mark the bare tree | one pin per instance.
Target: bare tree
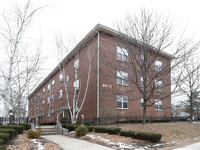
(20, 67)
(190, 85)
(143, 40)
(74, 103)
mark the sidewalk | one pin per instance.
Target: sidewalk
(68, 143)
(195, 146)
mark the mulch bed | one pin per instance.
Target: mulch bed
(22, 142)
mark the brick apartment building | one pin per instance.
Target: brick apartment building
(107, 94)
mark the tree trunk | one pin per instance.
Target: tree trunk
(191, 111)
(144, 115)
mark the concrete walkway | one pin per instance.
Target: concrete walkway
(68, 143)
(195, 146)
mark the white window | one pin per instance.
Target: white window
(53, 84)
(158, 104)
(158, 65)
(38, 105)
(158, 85)
(142, 59)
(122, 54)
(60, 94)
(43, 102)
(34, 97)
(60, 77)
(38, 94)
(48, 113)
(52, 112)
(142, 81)
(34, 107)
(76, 65)
(76, 85)
(67, 80)
(49, 86)
(142, 102)
(122, 78)
(48, 100)
(52, 98)
(43, 90)
(122, 102)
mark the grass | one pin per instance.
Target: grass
(170, 131)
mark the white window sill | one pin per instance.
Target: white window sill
(122, 108)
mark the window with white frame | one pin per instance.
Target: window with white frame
(48, 113)
(142, 59)
(158, 104)
(52, 98)
(142, 102)
(122, 102)
(34, 107)
(158, 85)
(67, 80)
(43, 90)
(43, 102)
(122, 78)
(53, 84)
(60, 94)
(76, 65)
(122, 54)
(60, 77)
(38, 105)
(48, 100)
(52, 112)
(49, 86)
(76, 85)
(38, 94)
(142, 81)
(158, 65)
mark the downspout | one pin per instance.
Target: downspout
(98, 77)
(50, 101)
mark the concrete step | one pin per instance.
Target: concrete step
(53, 130)
(50, 133)
(48, 130)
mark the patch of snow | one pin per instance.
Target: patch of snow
(157, 145)
(91, 136)
(72, 132)
(127, 146)
(119, 145)
(40, 146)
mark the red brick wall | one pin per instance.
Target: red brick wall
(107, 77)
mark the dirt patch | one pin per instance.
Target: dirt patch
(174, 135)
(117, 142)
(22, 142)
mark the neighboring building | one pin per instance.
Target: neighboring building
(47, 102)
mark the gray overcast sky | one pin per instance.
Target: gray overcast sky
(78, 17)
